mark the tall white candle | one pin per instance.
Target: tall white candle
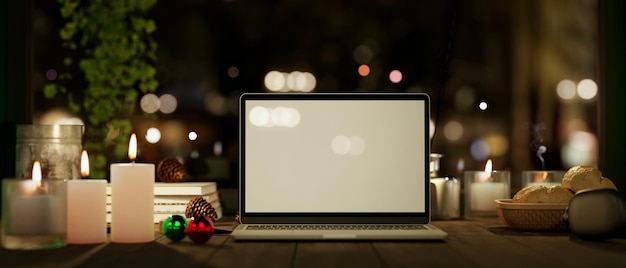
(132, 199)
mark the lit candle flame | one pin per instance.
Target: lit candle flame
(84, 164)
(132, 147)
(489, 166)
(36, 174)
(217, 148)
(485, 176)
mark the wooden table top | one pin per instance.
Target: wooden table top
(471, 243)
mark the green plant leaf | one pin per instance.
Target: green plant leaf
(112, 45)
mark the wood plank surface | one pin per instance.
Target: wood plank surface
(336, 254)
(151, 254)
(482, 248)
(254, 254)
(471, 243)
(200, 253)
(488, 241)
(418, 254)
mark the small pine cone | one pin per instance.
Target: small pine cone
(198, 207)
(171, 170)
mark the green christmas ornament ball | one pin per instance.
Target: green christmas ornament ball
(174, 227)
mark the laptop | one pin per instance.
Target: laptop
(334, 166)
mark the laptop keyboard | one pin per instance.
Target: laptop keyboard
(271, 227)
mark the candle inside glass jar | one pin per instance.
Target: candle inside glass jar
(33, 202)
(547, 178)
(484, 187)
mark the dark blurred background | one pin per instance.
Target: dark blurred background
(505, 77)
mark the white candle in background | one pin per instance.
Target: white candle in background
(132, 199)
(86, 208)
(547, 178)
(436, 196)
(484, 193)
(483, 188)
(444, 199)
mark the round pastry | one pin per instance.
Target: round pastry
(582, 177)
(542, 194)
(557, 194)
(530, 194)
(607, 183)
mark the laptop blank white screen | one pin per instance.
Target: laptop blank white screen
(332, 156)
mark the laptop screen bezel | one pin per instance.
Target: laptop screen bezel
(374, 217)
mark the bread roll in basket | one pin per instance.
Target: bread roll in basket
(541, 208)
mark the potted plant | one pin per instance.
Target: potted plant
(110, 43)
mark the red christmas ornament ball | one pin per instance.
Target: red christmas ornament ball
(200, 229)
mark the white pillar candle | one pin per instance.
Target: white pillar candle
(132, 200)
(86, 211)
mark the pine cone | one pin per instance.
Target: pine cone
(198, 207)
(171, 170)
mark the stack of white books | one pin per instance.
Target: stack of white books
(172, 198)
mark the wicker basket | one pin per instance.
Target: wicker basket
(532, 216)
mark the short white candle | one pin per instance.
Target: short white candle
(547, 178)
(484, 193)
(24, 209)
(34, 202)
(132, 200)
(34, 212)
(482, 188)
(86, 211)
